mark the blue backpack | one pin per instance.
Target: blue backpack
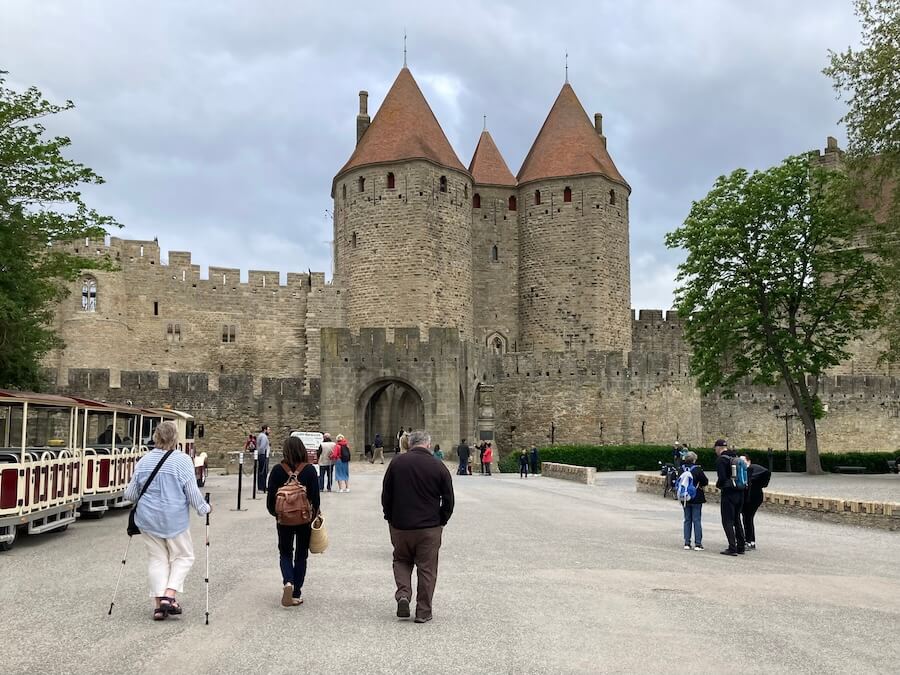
(739, 472)
(685, 490)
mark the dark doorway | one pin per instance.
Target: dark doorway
(388, 406)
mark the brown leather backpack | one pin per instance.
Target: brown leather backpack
(292, 505)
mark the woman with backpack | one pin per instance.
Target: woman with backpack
(342, 465)
(694, 506)
(293, 539)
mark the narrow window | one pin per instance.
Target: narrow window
(476, 201)
(466, 192)
(142, 251)
(177, 332)
(224, 333)
(170, 332)
(155, 308)
(537, 197)
(390, 181)
(362, 184)
(443, 183)
(353, 240)
(495, 253)
(512, 203)
(89, 295)
(612, 196)
(567, 194)
(232, 333)
(344, 192)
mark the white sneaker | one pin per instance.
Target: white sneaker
(698, 548)
(687, 547)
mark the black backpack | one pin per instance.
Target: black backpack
(345, 453)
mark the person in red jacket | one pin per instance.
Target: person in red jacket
(486, 459)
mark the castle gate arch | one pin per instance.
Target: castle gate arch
(386, 405)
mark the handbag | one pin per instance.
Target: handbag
(132, 528)
(318, 538)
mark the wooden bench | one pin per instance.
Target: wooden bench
(849, 469)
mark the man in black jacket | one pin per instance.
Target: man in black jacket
(462, 451)
(732, 499)
(417, 498)
(759, 477)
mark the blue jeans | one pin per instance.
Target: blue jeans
(692, 519)
(291, 558)
(325, 470)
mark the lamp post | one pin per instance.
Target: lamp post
(552, 433)
(787, 417)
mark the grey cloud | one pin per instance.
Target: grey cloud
(219, 126)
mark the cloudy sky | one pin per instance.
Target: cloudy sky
(219, 125)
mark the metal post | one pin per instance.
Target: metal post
(787, 443)
(255, 469)
(240, 480)
(552, 433)
(771, 460)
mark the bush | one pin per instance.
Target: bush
(647, 458)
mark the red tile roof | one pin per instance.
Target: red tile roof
(487, 166)
(404, 128)
(567, 145)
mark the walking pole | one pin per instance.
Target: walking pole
(207, 563)
(119, 580)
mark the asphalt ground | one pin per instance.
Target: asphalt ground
(536, 576)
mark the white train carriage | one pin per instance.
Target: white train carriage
(186, 441)
(40, 464)
(108, 435)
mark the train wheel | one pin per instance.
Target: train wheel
(6, 545)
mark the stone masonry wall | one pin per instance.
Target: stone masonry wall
(404, 254)
(598, 398)
(155, 316)
(496, 282)
(228, 406)
(574, 276)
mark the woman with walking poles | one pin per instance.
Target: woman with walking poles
(294, 508)
(163, 489)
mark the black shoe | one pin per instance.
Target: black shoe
(741, 551)
(728, 551)
(403, 608)
(423, 619)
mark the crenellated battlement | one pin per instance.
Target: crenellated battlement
(369, 345)
(603, 366)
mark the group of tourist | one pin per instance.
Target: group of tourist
(464, 454)
(331, 461)
(417, 501)
(740, 483)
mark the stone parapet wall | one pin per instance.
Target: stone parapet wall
(579, 474)
(883, 515)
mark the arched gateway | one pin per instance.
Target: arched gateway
(387, 405)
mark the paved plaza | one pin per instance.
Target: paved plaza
(536, 576)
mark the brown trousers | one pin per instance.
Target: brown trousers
(419, 548)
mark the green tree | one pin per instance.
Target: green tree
(40, 206)
(869, 79)
(773, 288)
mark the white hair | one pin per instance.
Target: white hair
(419, 439)
(166, 435)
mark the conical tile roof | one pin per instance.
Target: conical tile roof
(567, 145)
(487, 166)
(404, 128)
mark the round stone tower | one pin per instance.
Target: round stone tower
(402, 220)
(574, 272)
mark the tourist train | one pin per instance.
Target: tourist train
(62, 457)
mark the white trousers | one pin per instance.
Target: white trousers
(168, 561)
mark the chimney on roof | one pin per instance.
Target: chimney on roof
(363, 119)
(598, 127)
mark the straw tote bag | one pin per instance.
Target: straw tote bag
(318, 539)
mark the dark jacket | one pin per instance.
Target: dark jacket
(308, 478)
(759, 477)
(700, 482)
(462, 451)
(723, 472)
(417, 491)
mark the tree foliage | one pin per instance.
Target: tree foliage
(40, 204)
(869, 79)
(774, 287)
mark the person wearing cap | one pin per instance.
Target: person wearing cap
(732, 499)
